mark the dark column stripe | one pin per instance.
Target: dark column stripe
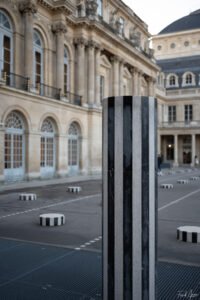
(156, 197)
(41, 221)
(47, 221)
(145, 198)
(111, 196)
(184, 236)
(56, 221)
(194, 237)
(127, 196)
(62, 220)
(178, 235)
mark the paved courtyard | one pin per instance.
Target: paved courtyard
(65, 262)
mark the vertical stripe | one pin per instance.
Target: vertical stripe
(111, 197)
(127, 196)
(145, 198)
(41, 221)
(137, 196)
(184, 236)
(178, 236)
(152, 197)
(118, 198)
(194, 237)
(105, 199)
(47, 221)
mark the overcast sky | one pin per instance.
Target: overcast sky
(160, 13)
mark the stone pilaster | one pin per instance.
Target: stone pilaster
(28, 8)
(59, 28)
(33, 155)
(121, 73)
(135, 78)
(97, 67)
(91, 72)
(80, 71)
(115, 61)
(151, 86)
(175, 150)
(193, 149)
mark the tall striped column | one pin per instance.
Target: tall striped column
(129, 198)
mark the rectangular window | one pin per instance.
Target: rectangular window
(65, 79)
(172, 113)
(7, 54)
(100, 8)
(188, 113)
(102, 85)
(38, 67)
(7, 151)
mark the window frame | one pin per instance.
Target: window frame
(171, 113)
(38, 49)
(8, 33)
(188, 113)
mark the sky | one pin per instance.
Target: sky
(157, 14)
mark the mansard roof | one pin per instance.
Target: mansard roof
(190, 22)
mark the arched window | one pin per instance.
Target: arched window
(14, 147)
(172, 80)
(188, 79)
(5, 43)
(47, 148)
(66, 71)
(37, 58)
(73, 148)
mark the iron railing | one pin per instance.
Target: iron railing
(23, 83)
(47, 91)
(16, 81)
(73, 98)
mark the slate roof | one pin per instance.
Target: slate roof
(192, 21)
(180, 64)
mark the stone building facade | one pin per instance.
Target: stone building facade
(177, 52)
(58, 59)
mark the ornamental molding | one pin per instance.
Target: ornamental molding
(59, 27)
(80, 41)
(28, 6)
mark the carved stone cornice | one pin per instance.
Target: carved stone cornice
(92, 44)
(80, 41)
(28, 6)
(59, 27)
(115, 58)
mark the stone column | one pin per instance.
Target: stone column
(175, 150)
(59, 28)
(80, 68)
(129, 198)
(135, 75)
(91, 73)
(151, 86)
(28, 8)
(33, 155)
(193, 149)
(62, 158)
(140, 74)
(115, 61)
(97, 71)
(159, 144)
(121, 72)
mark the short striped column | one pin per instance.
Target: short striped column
(27, 197)
(189, 234)
(129, 198)
(52, 219)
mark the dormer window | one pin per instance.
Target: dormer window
(188, 79)
(172, 81)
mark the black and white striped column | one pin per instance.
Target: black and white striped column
(129, 198)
